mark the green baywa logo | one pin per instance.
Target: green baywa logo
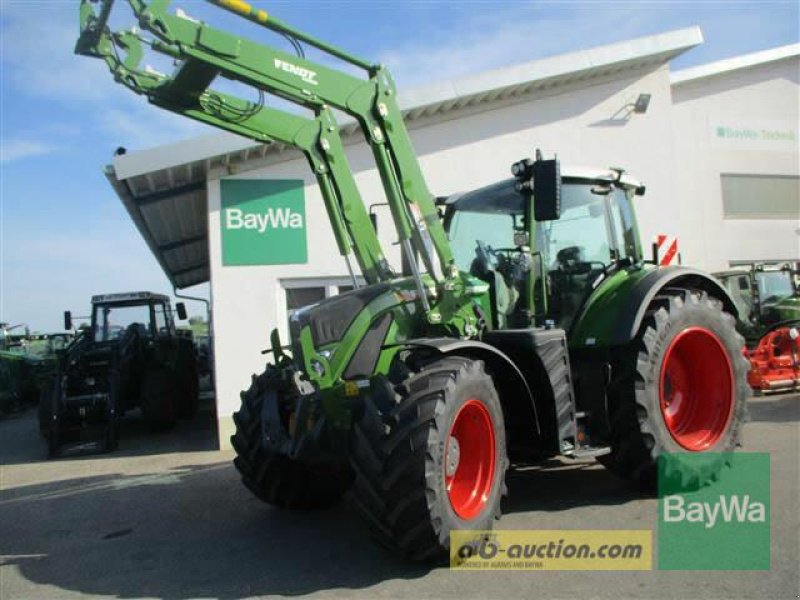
(274, 218)
(729, 508)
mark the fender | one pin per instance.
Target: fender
(614, 313)
(490, 354)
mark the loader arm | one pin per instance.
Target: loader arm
(187, 93)
(371, 101)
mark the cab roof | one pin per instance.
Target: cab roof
(502, 197)
(128, 297)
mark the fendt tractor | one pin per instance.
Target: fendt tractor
(768, 300)
(130, 356)
(525, 322)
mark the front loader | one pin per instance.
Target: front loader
(525, 324)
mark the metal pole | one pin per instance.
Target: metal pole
(350, 270)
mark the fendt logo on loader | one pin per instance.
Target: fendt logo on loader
(306, 75)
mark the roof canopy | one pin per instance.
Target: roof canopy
(164, 189)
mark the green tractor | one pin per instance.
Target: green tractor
(26, 364)
(766, 296)
(525, 324)
(130, 357)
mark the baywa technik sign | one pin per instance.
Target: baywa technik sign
(263, 222)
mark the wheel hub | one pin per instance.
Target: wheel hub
(470, 460)
(696, 389)
(453, 456)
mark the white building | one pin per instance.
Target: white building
(717, 149)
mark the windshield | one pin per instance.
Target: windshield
(112, 321)
(596, 230)
(580, 236)
(774, 284)
(467, 227)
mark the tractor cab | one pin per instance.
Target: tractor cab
(143, 314)
(765, 294)
(775, 284)
(542, 272)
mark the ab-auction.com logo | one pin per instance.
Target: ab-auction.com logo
(545, 550)
(718, 526)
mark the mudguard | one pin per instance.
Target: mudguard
(483, 351)
(614, 313)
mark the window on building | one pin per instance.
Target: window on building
(760, 196)
(298, 297)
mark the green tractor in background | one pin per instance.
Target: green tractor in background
(766, 296)
(27, 362)
(525, 324)
(131, 356)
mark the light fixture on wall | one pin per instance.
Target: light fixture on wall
(642, 103)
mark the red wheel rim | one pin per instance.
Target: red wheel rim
(696, 389)
(470, 460)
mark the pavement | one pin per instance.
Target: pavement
(167, 517)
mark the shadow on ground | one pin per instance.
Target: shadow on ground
(22, 443)
(187, 533)
(195, 531)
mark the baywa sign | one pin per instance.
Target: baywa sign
(263, 222)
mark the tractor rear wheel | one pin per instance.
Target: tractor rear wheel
(430, 457)
(158, 400)
(680, 387)
(273, 478)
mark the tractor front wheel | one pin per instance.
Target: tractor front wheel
(188, 387)
(274, 478)
(679, 388)
(430, 457)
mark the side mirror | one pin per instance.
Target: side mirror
(180, 308)
(67, 320)
(546, 190)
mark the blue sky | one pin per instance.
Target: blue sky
(63, 233)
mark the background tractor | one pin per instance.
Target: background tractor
(768, 300)
(525, 322)
(130, 357)
(26, 363)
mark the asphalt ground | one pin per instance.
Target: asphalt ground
(166, 516)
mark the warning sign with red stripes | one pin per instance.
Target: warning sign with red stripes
(666, 249)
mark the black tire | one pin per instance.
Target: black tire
(398, 453)
(188, 392)
(47, 406)
(158, 400)
(639, 431)
(111, 440)
(273, 478)
(53, 443)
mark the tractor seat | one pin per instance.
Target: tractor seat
(504, 298)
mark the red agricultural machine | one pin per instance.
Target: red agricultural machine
(768, 301)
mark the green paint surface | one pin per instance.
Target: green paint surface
(722, 526)
(263, 222)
